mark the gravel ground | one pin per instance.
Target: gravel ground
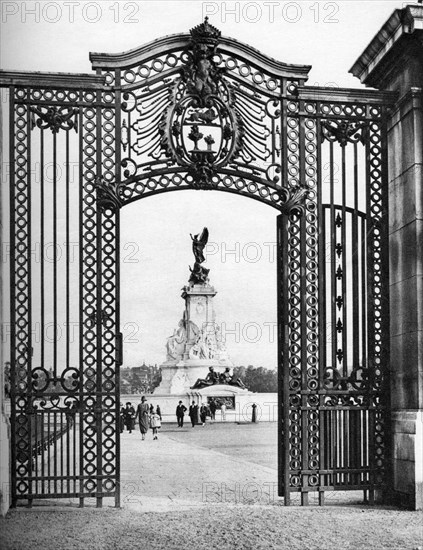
(168, 509)
(223, 527)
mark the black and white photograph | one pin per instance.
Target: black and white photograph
(238, 365)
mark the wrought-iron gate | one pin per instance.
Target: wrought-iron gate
(318, 155)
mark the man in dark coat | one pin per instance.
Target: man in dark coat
(193, 414)
(180, 411)
(213, 408)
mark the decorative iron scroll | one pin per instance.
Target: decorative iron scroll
(109, 195)
(55, 118)
(344, 131)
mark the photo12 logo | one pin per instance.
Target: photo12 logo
(271, 12)
(55, 12)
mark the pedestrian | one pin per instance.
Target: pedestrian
(159, 412)
(193, 414)
(143, 416)
(151, 411)
(155, 424)
(122, 418)
(254, 416)
(213, 408)
(223, 411)
(129, 416)
(180, 412)
(203, 414)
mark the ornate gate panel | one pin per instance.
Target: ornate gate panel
(64, 381)
(334, 295)
(197, 111)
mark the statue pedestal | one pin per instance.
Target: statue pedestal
(199, 313)
(195, 346)
(179, 377)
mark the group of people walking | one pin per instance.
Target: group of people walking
(149, 417)
(146, 416)
(198, 414)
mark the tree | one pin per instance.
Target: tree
(258, 379)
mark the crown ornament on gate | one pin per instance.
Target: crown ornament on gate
(201, 73)
(205, 33)
(201, 129)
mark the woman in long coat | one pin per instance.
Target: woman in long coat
(129, 416)
(143, 416)
(203, 414)
(193, 414)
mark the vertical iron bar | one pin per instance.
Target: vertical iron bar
(42, 274)
(329, 445)
(62, 438)
(29, 345)
(365, 464)
(55, 457)
(345, 303)
(370, 311)
(322, 301)
(332, 413)
(385, 313)
(81, 192)
(303, 316)
(333, 256)
(68, 419)
(355, 267)
(99, 368)
(67, 222)
(42, 453)
(118, 115)
(283, 335)
(34, 452)
(363, 291)
(55, 256)
(48, 451)
(74, 463)
(283, 347)
(279, 297)
(12, 238)
(372, 413)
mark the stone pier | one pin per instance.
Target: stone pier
(394, 61)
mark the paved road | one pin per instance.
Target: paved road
(215, 464)
(193, 466)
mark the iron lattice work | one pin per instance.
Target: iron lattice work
(197, 111)
(64, 387)
(334, 300)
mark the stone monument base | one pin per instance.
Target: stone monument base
(179, 377)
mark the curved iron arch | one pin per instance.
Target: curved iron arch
(229, 99)
(285, 200)
(180, 41)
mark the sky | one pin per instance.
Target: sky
(155, 241)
